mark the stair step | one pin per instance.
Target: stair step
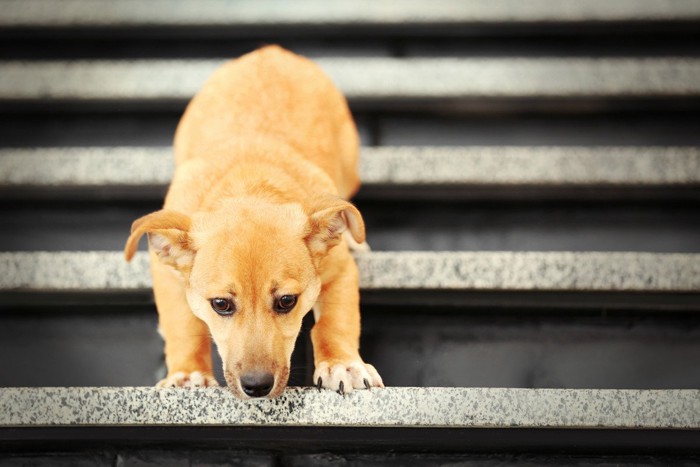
(540, 278)
(312, 14)
(442, 172)
(589, 271)
(415, 418)
(388, 407)
(133, 13)
(453, 83)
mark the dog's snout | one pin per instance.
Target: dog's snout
(258, 383)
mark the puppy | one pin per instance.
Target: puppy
(255, 229)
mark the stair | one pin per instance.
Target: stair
(397, 171)
(531, 191)
(372, 83)
(651, 274)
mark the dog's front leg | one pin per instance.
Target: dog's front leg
(187, 341)
(336, 334)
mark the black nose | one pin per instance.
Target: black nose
(257, 383)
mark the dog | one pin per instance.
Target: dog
(256, 231)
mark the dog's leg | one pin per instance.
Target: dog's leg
(336, 335)
(187, 340)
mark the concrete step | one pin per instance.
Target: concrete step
(403, 418)
(591, 271)
(544, 278)
(399, 172)
(242, 17)
(387, 407)
(479, 84)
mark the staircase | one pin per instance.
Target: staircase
(531, 191)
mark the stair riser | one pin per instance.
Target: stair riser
(410, 348)
(672, 227)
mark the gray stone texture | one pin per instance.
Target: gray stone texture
(530, 165)
(345, 12)
(144, 166)
(546, 271)
(367, 78)
(390, 407)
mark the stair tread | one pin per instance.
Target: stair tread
(580, 166)
(44, 13)
(368, 79)
(389, 407)
(479, 271)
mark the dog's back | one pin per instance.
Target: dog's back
(273, 94)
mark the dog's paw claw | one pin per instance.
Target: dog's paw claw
(344, 377)
(180, 379)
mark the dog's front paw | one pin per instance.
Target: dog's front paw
(180, 379)
(345, 376)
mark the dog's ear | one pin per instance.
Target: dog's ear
(331, 216)
(168, 236)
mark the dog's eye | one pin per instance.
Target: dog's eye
(223, 306)
(285, 303)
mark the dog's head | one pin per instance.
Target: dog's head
(251, 273)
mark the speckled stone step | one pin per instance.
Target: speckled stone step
(389, 407)
(430, 271)
(242, 14)
(99, 166)
(391, 418)
(368, 81)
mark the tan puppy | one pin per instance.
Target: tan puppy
(251, 235)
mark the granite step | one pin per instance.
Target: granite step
(396, 172)
(585, 279)
(396, 418)
(310, 16)
(477, 84)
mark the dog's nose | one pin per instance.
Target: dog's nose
(257, 383)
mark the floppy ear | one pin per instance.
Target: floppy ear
(168, 236)
(330, 217)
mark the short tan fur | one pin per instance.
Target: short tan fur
(266, 156)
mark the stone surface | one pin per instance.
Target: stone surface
(73, 271)
(345, 12)
(530, 165)
(367, 78)
(86, 166)
(192, 458)
(390, 407)
(57, 459)
(112, 457)
(399, 459)
(545, 271)
(530, 271)
(141, 166)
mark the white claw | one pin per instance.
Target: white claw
(353, 375)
